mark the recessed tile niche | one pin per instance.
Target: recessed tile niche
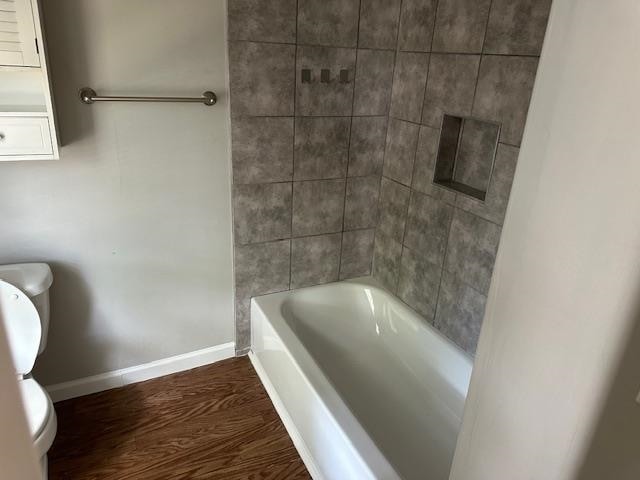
(465, 155)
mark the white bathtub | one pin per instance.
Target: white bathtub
(364, 386)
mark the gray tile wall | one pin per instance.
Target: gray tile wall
(307, 157)
(434, 248)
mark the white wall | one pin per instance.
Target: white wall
(558, 363)
(135, 217)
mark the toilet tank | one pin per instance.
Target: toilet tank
(34, 279)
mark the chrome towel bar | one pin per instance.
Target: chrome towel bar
(89, 96)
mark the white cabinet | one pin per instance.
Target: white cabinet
(18, 40)
(27, 120)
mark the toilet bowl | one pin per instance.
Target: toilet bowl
(24, 308)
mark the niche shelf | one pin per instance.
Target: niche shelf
(466, 154)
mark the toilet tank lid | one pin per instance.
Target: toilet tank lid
(32, 278)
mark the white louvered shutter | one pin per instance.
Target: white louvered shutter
(18, 45)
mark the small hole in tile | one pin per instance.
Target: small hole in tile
(466, 154)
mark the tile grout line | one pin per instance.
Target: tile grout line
(501, 142)
(312, 45)
(482, 54)
(478, 54)
(397, 56)
(386, 136)
(424, 96)
(453, 204)
(296, 237)
(442, 270)
(413, 165)
(438, 128)
(465, 283)
(404, 232)
(308, 116)
(305, 180)
(379, 202)
(293, 159)
(346, 178)
(426, 84)
(424, 93)
(343, 47)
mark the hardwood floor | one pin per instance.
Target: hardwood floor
(213, 422)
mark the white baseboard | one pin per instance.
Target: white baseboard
(140, 373)
(287, 421)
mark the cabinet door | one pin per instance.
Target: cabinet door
(18, 44)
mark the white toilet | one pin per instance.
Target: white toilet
(24, 306)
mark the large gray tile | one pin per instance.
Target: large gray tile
(471, 251)
(361, 202)
(328, 22)
(424, 166)
(321, 147)
(318, 207)
(261, 212)
(400, 150)
(386, 261)
(262, 20)
(427, 228)
(374, 78)
(495, 204)
(416, 25)
(315, 260)
(450, 87)
(460, 312)
(357, 253)
(325, 99)
(379, 23)
(418, 283)
(262, 149)
(366, 149)
(262, 268)
(517, 27)
(261, 77)
(259, 269)
(504, 91)
(394, 202)
(409, 80)
(242, 323)
(476, 151)
(460, 25)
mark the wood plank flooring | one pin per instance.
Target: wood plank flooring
(213, 422)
